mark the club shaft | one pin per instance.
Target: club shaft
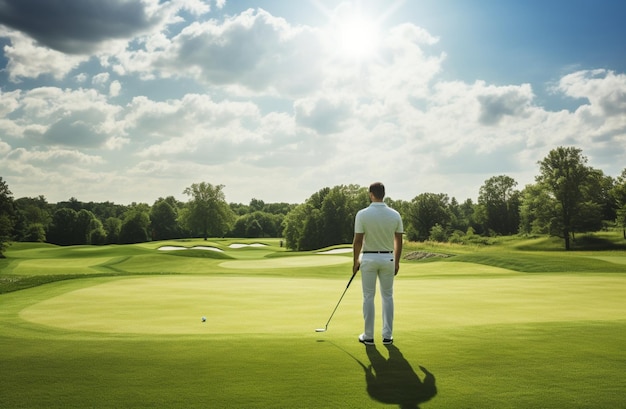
(340, 298)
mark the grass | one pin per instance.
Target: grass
(511, 325)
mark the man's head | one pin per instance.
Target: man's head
(377, 190)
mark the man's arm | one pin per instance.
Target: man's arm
(397, 249)
(357, 245)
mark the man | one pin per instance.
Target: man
(378, 234)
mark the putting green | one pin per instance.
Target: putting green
(175, 305)
(277, 305)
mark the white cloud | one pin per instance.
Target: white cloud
(115, 88)
(605, 90)
(28, 60)
(56, 117)
(100, 79)
(54, 157)
(5, 148)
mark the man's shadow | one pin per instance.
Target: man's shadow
(393, 380)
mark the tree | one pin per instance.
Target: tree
(618, 192)
(62, 230)
(164, 220)
(293, 225)
(207, 212)
(427, 210)
(325, 219)
(563, 173)
(257, 224)
(86, 225)
(112, 227)
(499, 205)
(598, 191)
(256, 205)
(538, 211)
(135, 226)
(33, 218)
(337, 217)
(462, 215)
(7, 216)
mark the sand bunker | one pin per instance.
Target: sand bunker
(241, 245)
(336, 251)
(175, 248)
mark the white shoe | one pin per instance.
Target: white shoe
(362, 340)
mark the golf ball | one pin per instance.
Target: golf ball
(203, 319)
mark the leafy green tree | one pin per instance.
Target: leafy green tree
(112, 227)
(72, 203)
(427, 210)
(326, 218)
(33, 218)
(97, 235)
(538, 211)
(618, 193)
(337, 217)
(257, 224)
(164, 220)
(597, 190)
(563, 174)
(207, 212)
(462, 215)
(84, 224)
(135, 226)
(499, 205)
(104, 210)
(438, 233)
(293, 225)
(278, 208)
(62, 230)
(239, 209)
(35, 232)
(256, 205)
(7, 216)
(313, 232)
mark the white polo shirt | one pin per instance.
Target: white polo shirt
(379, 223)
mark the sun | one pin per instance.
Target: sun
(353, 32)
(357, 37)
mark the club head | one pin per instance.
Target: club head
(320, 330)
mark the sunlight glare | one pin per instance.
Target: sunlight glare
(358, 37)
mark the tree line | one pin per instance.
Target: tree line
(72, 222)
(567, 198)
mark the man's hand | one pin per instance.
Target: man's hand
(355, 267)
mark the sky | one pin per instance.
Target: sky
(134, 100)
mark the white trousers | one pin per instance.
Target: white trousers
(382, 267)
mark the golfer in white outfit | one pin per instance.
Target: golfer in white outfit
(377, 248)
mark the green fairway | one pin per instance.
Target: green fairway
(121, 326)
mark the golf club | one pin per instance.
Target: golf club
(333, 313)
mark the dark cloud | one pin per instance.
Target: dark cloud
(325, 116)
(76, 26)
(496, 106)
(76, 130)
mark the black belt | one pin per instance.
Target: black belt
(377, 252)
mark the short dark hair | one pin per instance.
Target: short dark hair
(378, 190)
